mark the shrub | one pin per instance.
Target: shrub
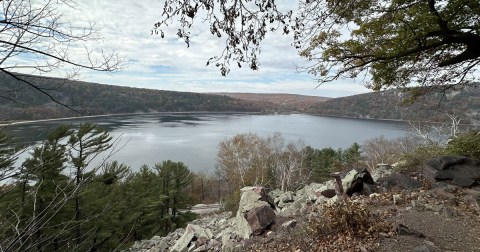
(414, 160)
(467, 144)
(346, 225)
(231, 202)
(380, 150)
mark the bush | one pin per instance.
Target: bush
(231, 202)
(346, 225)
(467, 144)
(381, 150)
(414, 160)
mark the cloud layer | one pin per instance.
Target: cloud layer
(167, 64)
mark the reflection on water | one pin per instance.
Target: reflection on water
(193, 138)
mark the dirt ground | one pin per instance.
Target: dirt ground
(445, 233)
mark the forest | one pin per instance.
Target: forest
(396, 104)
(75, 98)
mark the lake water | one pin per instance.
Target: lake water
(194, 138)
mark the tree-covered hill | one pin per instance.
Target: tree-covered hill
(19, 101)
(391, 104)
(285, 101)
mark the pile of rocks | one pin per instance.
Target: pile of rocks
(257, 212)
(458, 170)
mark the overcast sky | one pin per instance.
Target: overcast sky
(167, 64)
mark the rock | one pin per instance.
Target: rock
(400, 181)
(381, 171)
(260, 218)
(397, 199)
(275, 193)
(421, 248)
(404, 230)
(254, 194)
(253, 198)
(328, 193)
(463, 182)
(459, 170)
(213, 245)
(472, 197)
(427, 246)
(354, 180)
(286, 197)
(184, 243)
(202, 248)
(444, 162)
(290, 224)
(384, 235)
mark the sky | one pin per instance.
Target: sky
(167, 64)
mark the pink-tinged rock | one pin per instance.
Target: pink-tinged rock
(260, 218)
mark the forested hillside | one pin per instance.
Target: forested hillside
(391, 104)
(26, 103)
(283, 101)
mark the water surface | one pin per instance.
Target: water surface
(194, 138)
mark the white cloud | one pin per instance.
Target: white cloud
(152, 62)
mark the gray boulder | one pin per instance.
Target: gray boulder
(286, 197)
(252, 198)
(381, 171)
(191, 231)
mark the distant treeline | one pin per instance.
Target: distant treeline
(19, 101)
(394, 104)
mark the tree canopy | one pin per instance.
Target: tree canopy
(400, 43)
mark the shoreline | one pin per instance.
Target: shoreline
(3, 123)
(12, 123)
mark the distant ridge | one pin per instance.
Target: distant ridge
(99, 99)
(287, 101)
(390, 104)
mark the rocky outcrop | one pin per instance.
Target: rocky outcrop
(204, 233)
(192, 233)
(458, 170)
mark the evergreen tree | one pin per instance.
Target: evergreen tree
(85, 144)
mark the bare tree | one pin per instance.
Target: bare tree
(434, 133)
(287, 162)
(35, 38)
(380, 150)
(248, 159)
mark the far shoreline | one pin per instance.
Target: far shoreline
(4, 123)
(12, 123)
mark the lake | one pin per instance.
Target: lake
(194, 138)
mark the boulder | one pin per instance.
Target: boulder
(381, 171)
(399, 181)
(191, 231)
(260, 218)
(286, 197)
(257, 200)
(275, 193)
(328, 193)
(459, 170)
(354, 180)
